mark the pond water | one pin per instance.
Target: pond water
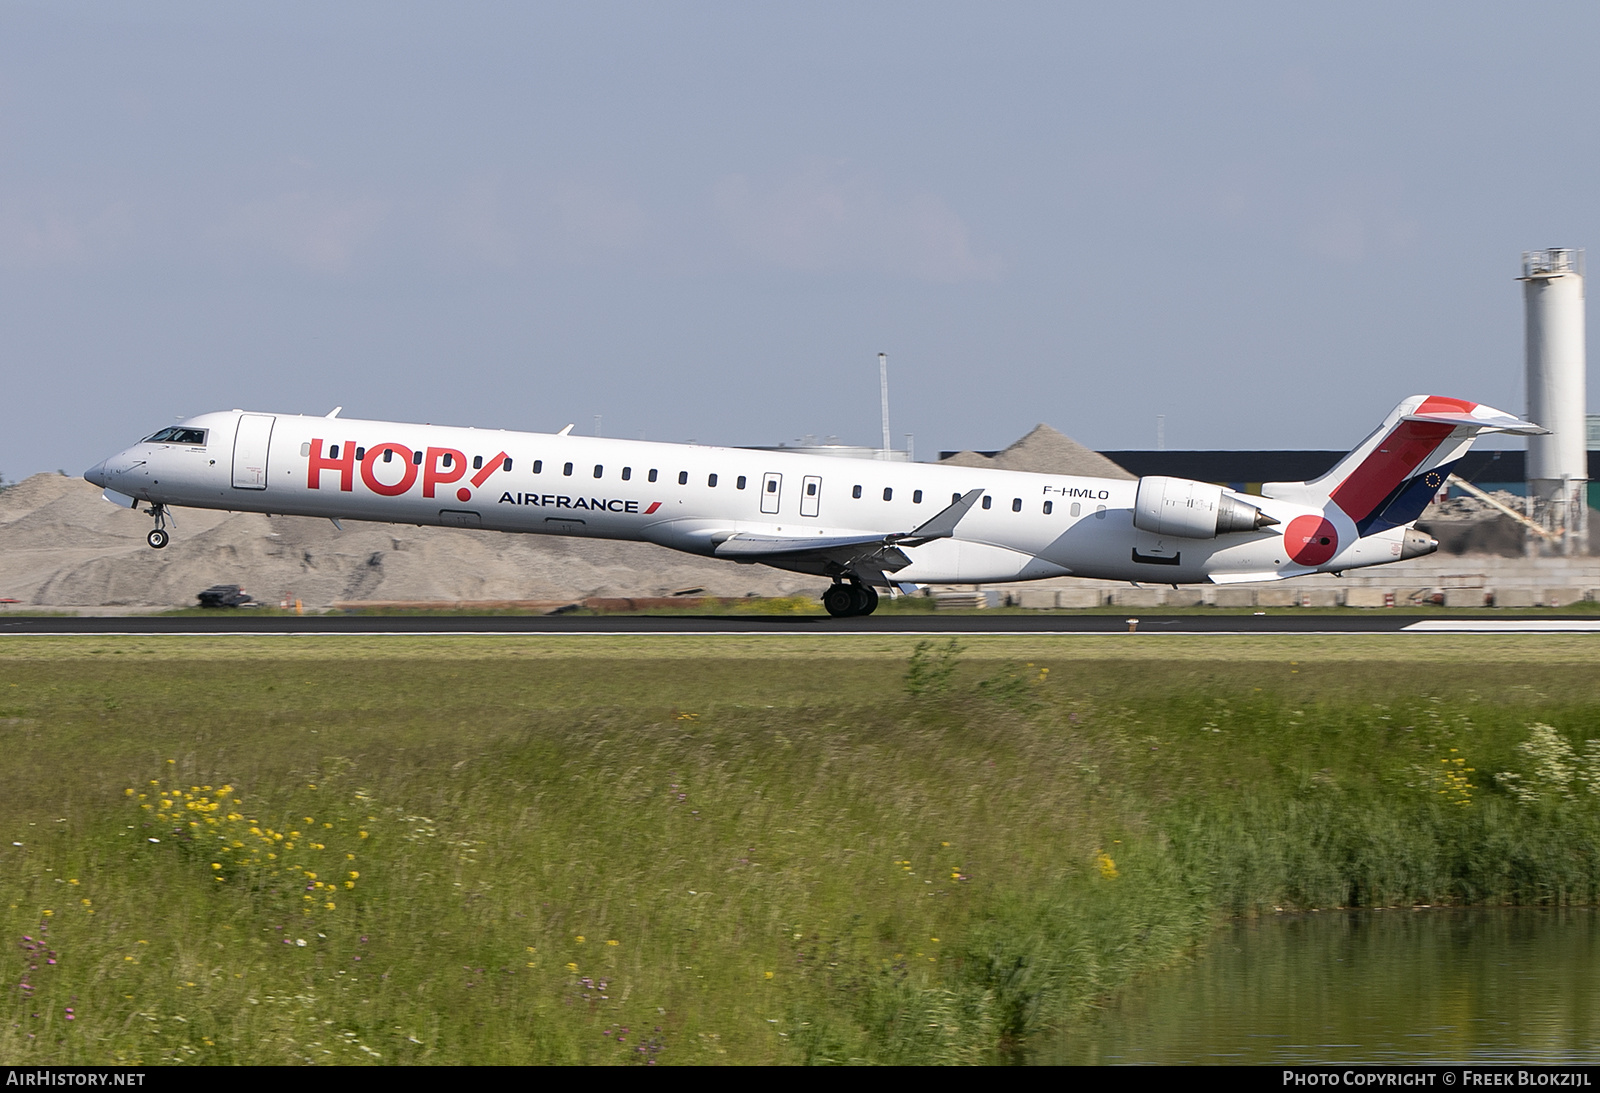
(1512, 985)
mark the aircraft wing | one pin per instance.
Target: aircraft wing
(870, 557)
(749, 546)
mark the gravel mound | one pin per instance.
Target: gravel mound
(1045, 451)
(62, 544)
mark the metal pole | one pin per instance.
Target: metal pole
(883, 394)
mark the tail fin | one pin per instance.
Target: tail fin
(1391, 476)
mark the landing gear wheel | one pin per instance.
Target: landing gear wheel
(866, 600)
(157, 538)
(840, 600)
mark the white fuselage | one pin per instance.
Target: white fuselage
(692, 497)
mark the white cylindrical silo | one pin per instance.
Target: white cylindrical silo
(1558, 464)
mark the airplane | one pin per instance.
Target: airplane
(869, 525)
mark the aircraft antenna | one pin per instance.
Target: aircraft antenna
(883, 396)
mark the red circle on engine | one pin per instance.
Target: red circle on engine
(1310, 540)
(465, 494)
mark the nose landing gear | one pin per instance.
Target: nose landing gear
(845, 601)
(158, 537)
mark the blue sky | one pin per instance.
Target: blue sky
(703, 221)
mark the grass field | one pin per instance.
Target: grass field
(688, 850)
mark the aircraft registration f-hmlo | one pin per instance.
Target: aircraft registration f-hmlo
(867, 524)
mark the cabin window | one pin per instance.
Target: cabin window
(1016, 504)
(333, 452)
(361, 454)
(888, 493)
(683, 478)
(449, 459)
(772, 485)
(305, 449)
(627, 473)
(506, 466)
(1077, 509)
(711, 480)
(1049, 507)
(916, 497)
(388, 455)
(538, 466)
(416, 457)
(566, 469)
(739, 483)
(811, 489)
(1100, 512)
(954, 497)
(987, 500)
(477, 462)
(856, 493)
(652, 474)
(599, 470)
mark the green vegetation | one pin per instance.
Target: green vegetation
(742, 849)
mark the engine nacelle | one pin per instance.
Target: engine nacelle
(1192, 510)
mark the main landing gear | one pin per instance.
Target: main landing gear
(846, 600)
(158, 536)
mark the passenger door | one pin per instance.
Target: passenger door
(250, 451)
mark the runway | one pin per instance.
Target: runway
(1282, 622)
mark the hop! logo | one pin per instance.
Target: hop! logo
(390, 470)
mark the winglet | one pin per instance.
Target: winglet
(333, 412)
(565, 431)
(943, 524)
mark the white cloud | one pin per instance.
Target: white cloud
(318, 231)
(592, 218)
(42, 233)
(501, 223)
(820, 220)
(1354, 218)
(478, 225)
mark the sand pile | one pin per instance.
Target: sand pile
(61, 544)
(1044, 451)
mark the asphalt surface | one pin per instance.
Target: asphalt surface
(1278, 622)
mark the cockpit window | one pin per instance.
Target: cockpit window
(176, 434)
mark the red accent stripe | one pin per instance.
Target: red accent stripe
(1438, 404)
(653, 506)
(486, 470)
(1390, 464)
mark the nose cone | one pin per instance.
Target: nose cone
(97, 474)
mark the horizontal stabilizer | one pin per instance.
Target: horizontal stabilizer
(1492, 422)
